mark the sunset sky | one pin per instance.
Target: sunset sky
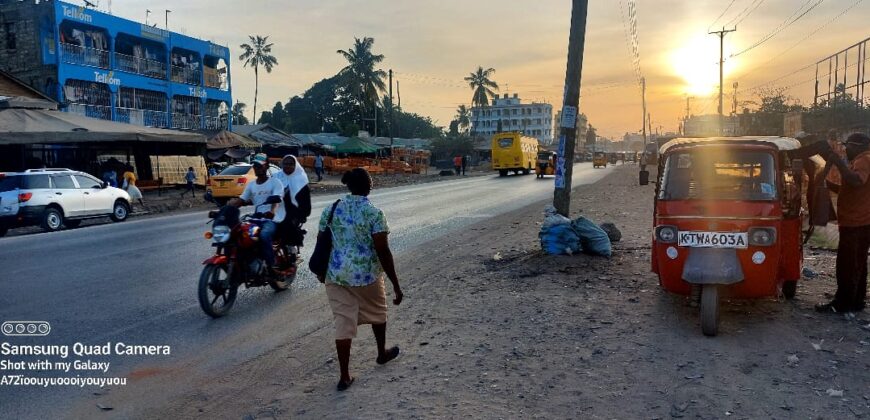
(432, 45)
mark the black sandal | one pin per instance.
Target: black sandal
(390, 355)
(343, 386)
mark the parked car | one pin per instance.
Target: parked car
(57, 198)
(231, 182)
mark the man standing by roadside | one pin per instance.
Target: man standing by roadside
(457, 164)
(318, 166)
(853, 208)
(464, 164)
(190, 177)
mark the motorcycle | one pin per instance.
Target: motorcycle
(237, 261)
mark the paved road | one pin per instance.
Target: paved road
(135, 282)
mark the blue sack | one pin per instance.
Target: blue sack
(559, 239)
(593, 239)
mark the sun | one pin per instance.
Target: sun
(697, 63)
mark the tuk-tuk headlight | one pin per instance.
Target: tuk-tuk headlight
(220, 233)
(666, 234)
(762, 236)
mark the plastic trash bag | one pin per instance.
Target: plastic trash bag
(593, 239)
(551, 217)
(558, 239)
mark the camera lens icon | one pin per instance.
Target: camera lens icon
(25, 328)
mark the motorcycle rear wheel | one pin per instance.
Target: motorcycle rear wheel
(215, 298)
(284, 258)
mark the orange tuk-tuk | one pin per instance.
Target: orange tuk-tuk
(546, 164)
(727, 222)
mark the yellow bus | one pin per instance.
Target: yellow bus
(513, 152)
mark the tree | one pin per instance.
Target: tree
(279, 117)
(258, 53)
(363, 81)
(238, 112)
(463, 118)
(482, 86)
(454, 129)
(265, 118)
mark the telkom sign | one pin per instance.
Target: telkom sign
(77, 13)
(107, 78)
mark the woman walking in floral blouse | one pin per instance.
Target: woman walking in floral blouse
(355, 279)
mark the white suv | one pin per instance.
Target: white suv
(53, 198)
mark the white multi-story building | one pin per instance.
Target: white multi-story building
(510, 114)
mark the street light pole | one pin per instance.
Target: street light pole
(570, 106)
(391, 110)
(721, 35)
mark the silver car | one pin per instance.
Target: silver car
(54, 198)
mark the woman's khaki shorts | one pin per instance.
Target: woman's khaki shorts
(352, 306)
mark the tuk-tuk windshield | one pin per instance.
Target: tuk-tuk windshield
(719, 174)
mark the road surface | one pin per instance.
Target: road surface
(135, 282)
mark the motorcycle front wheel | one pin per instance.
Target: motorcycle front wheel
(217, 294)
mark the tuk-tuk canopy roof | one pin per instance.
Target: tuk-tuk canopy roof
(781, 143)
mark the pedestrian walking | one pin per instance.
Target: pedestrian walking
(130, 185)
(464, 164)
(190, 177)
(853, 216)
(318, 166)
(355, 278)
(457, 164)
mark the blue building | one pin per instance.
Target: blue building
(103, 66)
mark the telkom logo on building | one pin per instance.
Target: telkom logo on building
(107, 78)
(77, 13)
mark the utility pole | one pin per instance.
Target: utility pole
(147, 15)
(734, 104)
(688, 107)
(722, 34)
(391, 110)
(570, 107)
(643, 117)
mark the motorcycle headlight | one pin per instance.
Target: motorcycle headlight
(220, 233)
(762, 236)
(666, 234)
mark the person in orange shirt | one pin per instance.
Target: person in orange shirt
(853, 209)
(457, 164)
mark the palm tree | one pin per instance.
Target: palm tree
(480, 82)
(363, 80)
(463, 117)
(258, 53)
(239, 113)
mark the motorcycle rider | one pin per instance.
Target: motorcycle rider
(257, 193)
(297, 200)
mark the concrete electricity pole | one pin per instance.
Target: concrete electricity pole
(643, 117)
(721, 34)
(570, 106)
(391, 109)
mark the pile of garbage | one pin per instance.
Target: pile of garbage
(563, 236)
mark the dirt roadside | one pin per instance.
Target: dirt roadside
(492, 328)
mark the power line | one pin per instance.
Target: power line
(782, 26)
(757, 5)
(721, 14)
(741, 16)
(815, 31)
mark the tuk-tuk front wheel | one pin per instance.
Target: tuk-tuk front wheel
(710, 310)
(789, 289)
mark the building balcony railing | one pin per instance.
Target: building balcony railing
(142, 117)
(216, 123)
(93, 111)
(215, 81)
(84, 56)
(186, 75)
(145, 67)
(186, 121)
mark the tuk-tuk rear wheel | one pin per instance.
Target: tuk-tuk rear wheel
(789, 289)
(710, 310)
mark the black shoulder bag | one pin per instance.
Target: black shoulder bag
(319, 261)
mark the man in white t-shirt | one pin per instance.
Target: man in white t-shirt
(257, 193)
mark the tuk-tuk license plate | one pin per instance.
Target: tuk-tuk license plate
(713, 239)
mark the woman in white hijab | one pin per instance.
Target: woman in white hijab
(297, 199)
